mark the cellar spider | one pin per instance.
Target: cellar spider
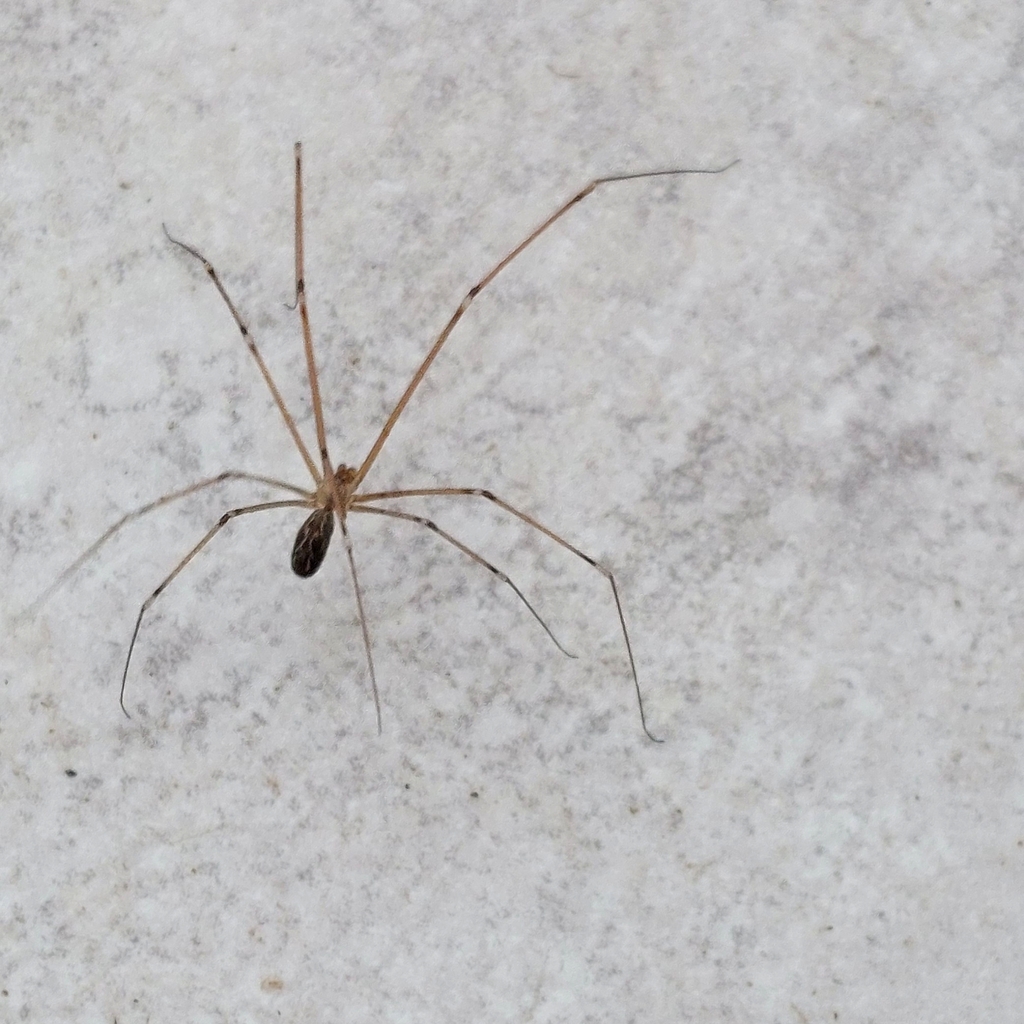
(338, 489)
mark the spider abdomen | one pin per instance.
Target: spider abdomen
(312, 542)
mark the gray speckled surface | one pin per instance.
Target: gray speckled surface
(786, 404)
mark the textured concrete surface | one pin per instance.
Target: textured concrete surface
(786, 404)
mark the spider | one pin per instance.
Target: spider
(338, 488)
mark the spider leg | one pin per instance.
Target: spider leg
(220, 524)
(289, 420)
(431, 525)
(151, 506)
(362, 620)
(491, 274)
(307, 334)
(477, 492)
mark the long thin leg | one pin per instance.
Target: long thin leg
(166, 499)
(476, 492)
(485, 281)
(247, 338)
(362, 621)
(221, 523)
(431, 525)
(307, 334)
